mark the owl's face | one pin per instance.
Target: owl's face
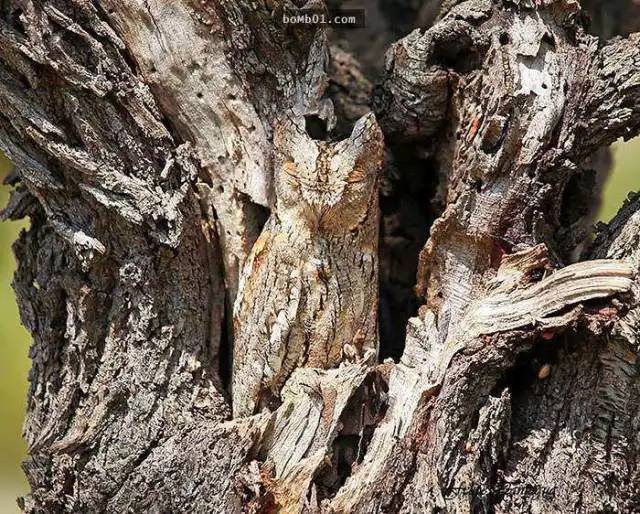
(328, 185)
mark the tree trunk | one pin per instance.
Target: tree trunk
(152, 142)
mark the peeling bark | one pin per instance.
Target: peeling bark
(150, 141)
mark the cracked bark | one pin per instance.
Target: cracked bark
(142, 134)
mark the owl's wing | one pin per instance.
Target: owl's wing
(264, 314)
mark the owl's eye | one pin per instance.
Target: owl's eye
(291, 171)
(290, 168)
(356, 175)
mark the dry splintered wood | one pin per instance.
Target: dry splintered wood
(177, 159)
(426, 360)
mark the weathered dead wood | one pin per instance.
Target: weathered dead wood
(223, 93)
(143, 138)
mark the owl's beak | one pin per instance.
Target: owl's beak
(317, 213)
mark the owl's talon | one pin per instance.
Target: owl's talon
(350, 352)
(369, 356)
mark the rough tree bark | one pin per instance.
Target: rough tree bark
(142, 132)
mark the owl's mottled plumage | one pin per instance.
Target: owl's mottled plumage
(310, 285)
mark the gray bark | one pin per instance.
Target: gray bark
(146, 137)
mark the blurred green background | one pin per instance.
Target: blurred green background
(625, 177)
(14, 366)
(14, 363)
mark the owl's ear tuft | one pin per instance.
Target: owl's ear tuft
(289, 133)
(363, 151)
(367, 134)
